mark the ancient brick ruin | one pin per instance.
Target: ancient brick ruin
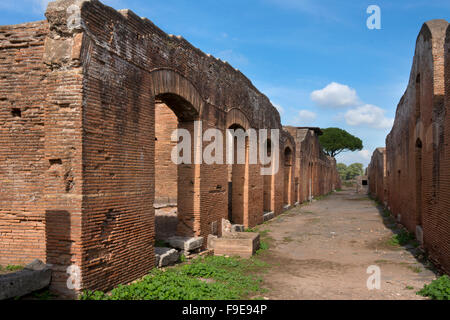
(88, 99)
(416, 169)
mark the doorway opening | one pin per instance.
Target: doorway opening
(237, 177)
(174, 184)
(287, 194)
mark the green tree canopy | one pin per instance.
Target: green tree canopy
(342, 169)
(335, 140)
(354, 170)
(350, 172)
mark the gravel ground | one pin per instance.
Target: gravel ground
(322, 251)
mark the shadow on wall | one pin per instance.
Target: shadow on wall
(58, 246)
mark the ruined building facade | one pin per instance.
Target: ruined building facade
(416, 172)
(377, 176)
(88, 100)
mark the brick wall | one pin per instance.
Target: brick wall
(22, 150)
(416, 163)
(316, 173)
(166, 173)
(377, 175)
(79, 163)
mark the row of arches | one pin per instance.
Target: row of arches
(182, 191)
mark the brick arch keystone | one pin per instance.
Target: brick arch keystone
(167, 81)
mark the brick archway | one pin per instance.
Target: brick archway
(177, 106)
(169, 83)
(237, 117)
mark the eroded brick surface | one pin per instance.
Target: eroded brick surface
(417, 159)
(88, 99)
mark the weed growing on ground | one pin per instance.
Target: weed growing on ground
(415, 269)
(322, 197)
(439, 289)
(402, 238)
(43, 295)
(205, 278)
(11, 268)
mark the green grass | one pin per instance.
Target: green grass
(439, 289)
(409, 288)
(43, 295)
(205, 278)
(11, 268)
(322, 197)
(402, 238)
(415, 269)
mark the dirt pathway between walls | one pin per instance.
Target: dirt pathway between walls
(322, 251)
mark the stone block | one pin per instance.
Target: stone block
(242, 244)
(166, 256)
(268, 216)
(186, 243)
(35, 276)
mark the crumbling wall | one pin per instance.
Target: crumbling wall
(416, 147)
(78, 100)
(22, 151)
(377, 175)
(315, 172)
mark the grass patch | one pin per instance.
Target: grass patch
(402, 238)
(409, 288)
(205, 278)
(439, 289)
(415, 269)
(322, 197)
(10, 268)
(44, 295)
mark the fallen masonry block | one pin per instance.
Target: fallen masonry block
(166, 256)
(268, 216)
(243, 244)
(211, 241)
(186, 243)
(35, 276)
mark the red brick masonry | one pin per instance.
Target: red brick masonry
(412, 175)
(80, 151)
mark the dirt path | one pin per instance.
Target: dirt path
(322, 251)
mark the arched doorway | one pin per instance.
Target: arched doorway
(418, 151)
(287, 194)
(174, 183)
(237, 176)
(268, 198)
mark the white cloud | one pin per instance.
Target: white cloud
(306, 117)
(362, 156)
(365, 154)
(368, 115)
(335, 95)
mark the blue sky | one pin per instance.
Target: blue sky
(315, 59)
